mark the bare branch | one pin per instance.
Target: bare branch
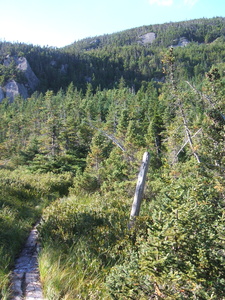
(187, 141)
(111, 137)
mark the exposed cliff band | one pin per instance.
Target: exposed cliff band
(11, 88)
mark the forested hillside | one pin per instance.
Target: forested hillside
(103, 60)
(71, 153)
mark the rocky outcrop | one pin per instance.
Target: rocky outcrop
(12, 88)
(23, 65)
(182, 42)
(64, 69)
(147, 38)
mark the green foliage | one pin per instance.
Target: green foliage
(180, 252)
(85, 183)
(61, 282)
(84, 230)
(104, 102)
(11, 72)
(22, 198)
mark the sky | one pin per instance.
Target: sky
(57, 23)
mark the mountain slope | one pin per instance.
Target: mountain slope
(134, 55)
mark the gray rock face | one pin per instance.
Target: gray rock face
(64, 69)
(182, 42)
(147, 38)
(12, 88)
(7, 61)
(23, 65)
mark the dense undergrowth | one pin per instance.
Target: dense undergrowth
(175, 251)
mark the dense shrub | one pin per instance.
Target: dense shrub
(180, 254)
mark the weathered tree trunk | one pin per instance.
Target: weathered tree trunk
(139, 189)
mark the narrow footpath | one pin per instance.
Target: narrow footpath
(25, 276)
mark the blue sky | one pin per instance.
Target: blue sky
(61, 22)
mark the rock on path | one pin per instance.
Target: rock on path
(25, 277)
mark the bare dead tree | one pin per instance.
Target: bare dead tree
(169, 60)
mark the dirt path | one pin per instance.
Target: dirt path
(25, 277)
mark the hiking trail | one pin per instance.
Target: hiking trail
(25, 280)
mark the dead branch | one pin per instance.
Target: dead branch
(110, 136)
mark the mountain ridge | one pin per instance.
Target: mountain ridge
(132, 54)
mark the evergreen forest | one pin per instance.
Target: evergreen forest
(70, 155)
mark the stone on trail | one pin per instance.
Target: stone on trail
(26, 283)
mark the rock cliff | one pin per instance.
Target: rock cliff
(23, 65)
(147, 38)
(11, 87)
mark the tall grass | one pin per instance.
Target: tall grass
(22, 199)
(74, 275)
(80, 236)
